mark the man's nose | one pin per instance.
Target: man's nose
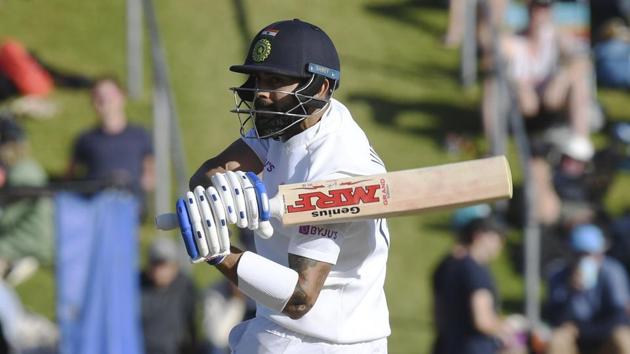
(262, 94)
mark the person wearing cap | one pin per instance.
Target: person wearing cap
(26, 224)
(550, 71)
(588, 298)
(576, 154)
(465, 295)
(168, 302)
(318, 288)
(563, 196)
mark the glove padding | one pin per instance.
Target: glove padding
(205, 232)
(204, 215)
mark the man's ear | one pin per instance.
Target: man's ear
(324, 89)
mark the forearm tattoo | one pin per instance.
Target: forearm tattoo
(309, 275)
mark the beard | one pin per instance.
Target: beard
(270, 119)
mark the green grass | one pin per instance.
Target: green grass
(400, 84)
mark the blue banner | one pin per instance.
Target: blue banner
(98, 297)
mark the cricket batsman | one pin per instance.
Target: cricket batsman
(318, 289)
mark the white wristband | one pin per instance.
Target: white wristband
(265, 281)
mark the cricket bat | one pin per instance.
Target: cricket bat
(384, 195)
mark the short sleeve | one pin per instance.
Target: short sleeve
(79, 149)
(477, 278)
(319, 242)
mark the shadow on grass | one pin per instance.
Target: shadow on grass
(411, 71)
(443, 117)
(244, 30)
(404, 12)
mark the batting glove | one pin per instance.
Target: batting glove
(203, 226)
(245, 200)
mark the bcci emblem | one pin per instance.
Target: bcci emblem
(261, 51)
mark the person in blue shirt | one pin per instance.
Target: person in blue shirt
(465, 295)
(588, 299)
(114, 150)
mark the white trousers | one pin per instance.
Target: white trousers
(261, 336)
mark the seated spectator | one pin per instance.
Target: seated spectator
(465, 295)
(114, 150)
(23, 331)
(612, 55)
(225, 306)
(587, 299)
(29, 80)
(550, 71)
(603, 11)
(562, 194)
(168, 302)
(26, 224)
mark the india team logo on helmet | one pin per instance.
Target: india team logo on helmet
(261, 50)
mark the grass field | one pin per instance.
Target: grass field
(400, 84)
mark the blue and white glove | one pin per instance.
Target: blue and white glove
(245, 199)
(203, 216)
(203, 226)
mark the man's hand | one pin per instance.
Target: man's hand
(204, 214)
(203, 226)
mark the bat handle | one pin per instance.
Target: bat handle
(166, 221)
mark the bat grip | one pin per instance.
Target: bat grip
(166, 221)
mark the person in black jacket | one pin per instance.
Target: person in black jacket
(168, 302)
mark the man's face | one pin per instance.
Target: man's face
(492, 244)
(163, 273)
(275, 97)
(540, 14)
(572, 167)
(276, 92)
(108, 99)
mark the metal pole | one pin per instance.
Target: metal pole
(134, 49)
(166, 124)
(532, 229)
(508, 109)
(162, 150)
(468, 74)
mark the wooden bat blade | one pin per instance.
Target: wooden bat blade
(396, 193)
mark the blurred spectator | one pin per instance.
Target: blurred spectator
(168, 302)
(26, 224)
(465, 296)
(22, 331)
(224, 306)
(29, 80)
(603, 11)
(550, 71)
(115, 150)
(612, 55)
(488, 13)
(562, 194)
(588, 298)
(619, 237)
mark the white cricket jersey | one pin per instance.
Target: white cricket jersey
(351, 306)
